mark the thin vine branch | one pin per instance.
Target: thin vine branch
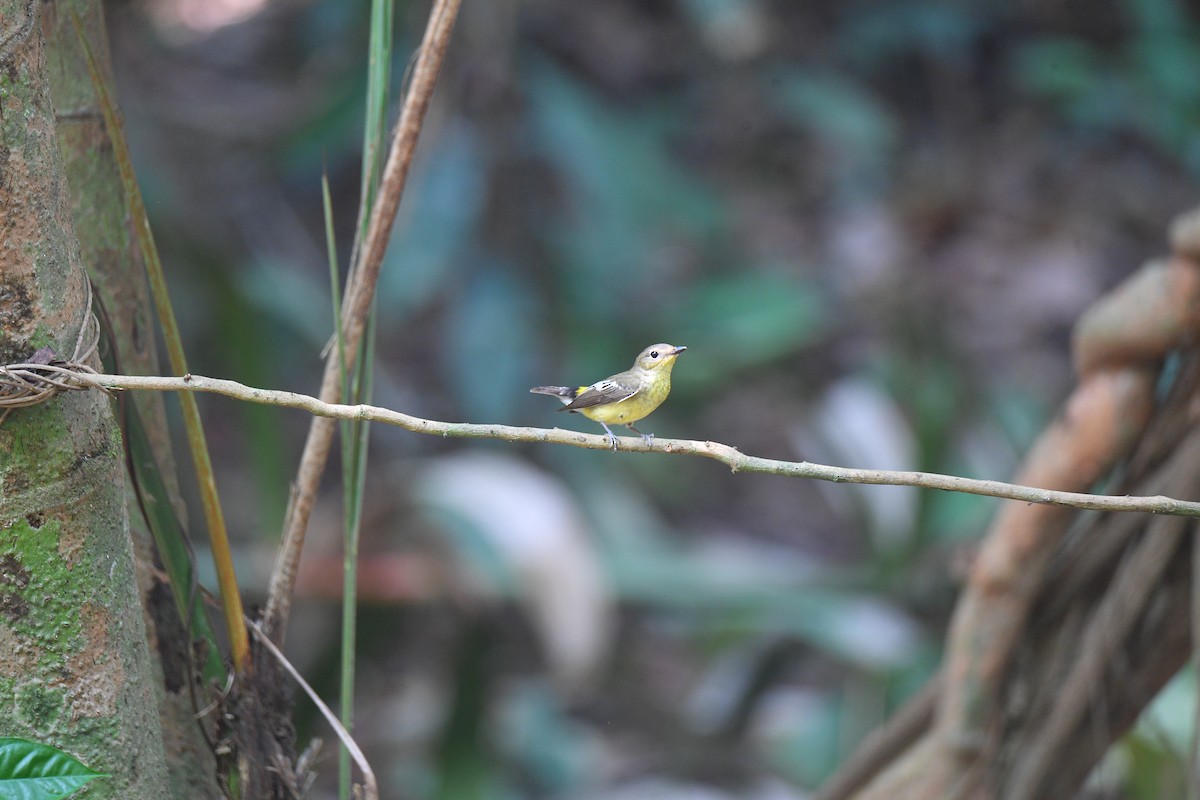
(730, 456)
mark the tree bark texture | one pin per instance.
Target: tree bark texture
(113, 260)
(75, 668)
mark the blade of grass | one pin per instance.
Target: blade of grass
(354, 441)
(231, 600)
(355, 436)
(357, 381)
(379, 67)
(354, 463)
(360, 291)
(370, 785)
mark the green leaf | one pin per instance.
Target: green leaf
(171, 539)
(32, 771)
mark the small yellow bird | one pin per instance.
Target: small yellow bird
(625, 397)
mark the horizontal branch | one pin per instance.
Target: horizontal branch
(730, 456)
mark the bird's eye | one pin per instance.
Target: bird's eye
(654, 354)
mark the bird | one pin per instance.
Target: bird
(626, 397)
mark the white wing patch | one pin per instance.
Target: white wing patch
(612, 390)
(601, 393)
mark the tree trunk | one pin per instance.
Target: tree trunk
(112, 257)
(75, 668)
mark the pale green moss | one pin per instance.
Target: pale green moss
(40, 705)
(37, 444)
(51, 591)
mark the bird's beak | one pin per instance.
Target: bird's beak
(679, 350)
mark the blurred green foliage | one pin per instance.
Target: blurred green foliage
(805, 195)
(1142, 85)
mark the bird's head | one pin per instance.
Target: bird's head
(657, 356)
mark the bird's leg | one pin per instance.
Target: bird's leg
(612, 437)
(648, 438)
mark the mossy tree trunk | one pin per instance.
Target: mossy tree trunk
(113, 260)
(75, 668)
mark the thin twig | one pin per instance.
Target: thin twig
(730, 456)
(360, 291)
(372, 788)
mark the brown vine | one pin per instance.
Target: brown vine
(1046, 658)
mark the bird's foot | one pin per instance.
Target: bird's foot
(648, 438)
(612, 437)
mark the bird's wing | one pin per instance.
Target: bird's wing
(609, 390)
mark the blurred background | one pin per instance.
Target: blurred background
(872, 223)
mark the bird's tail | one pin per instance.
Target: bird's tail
(564, 393)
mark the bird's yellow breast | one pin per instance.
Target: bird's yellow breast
(640, 405)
